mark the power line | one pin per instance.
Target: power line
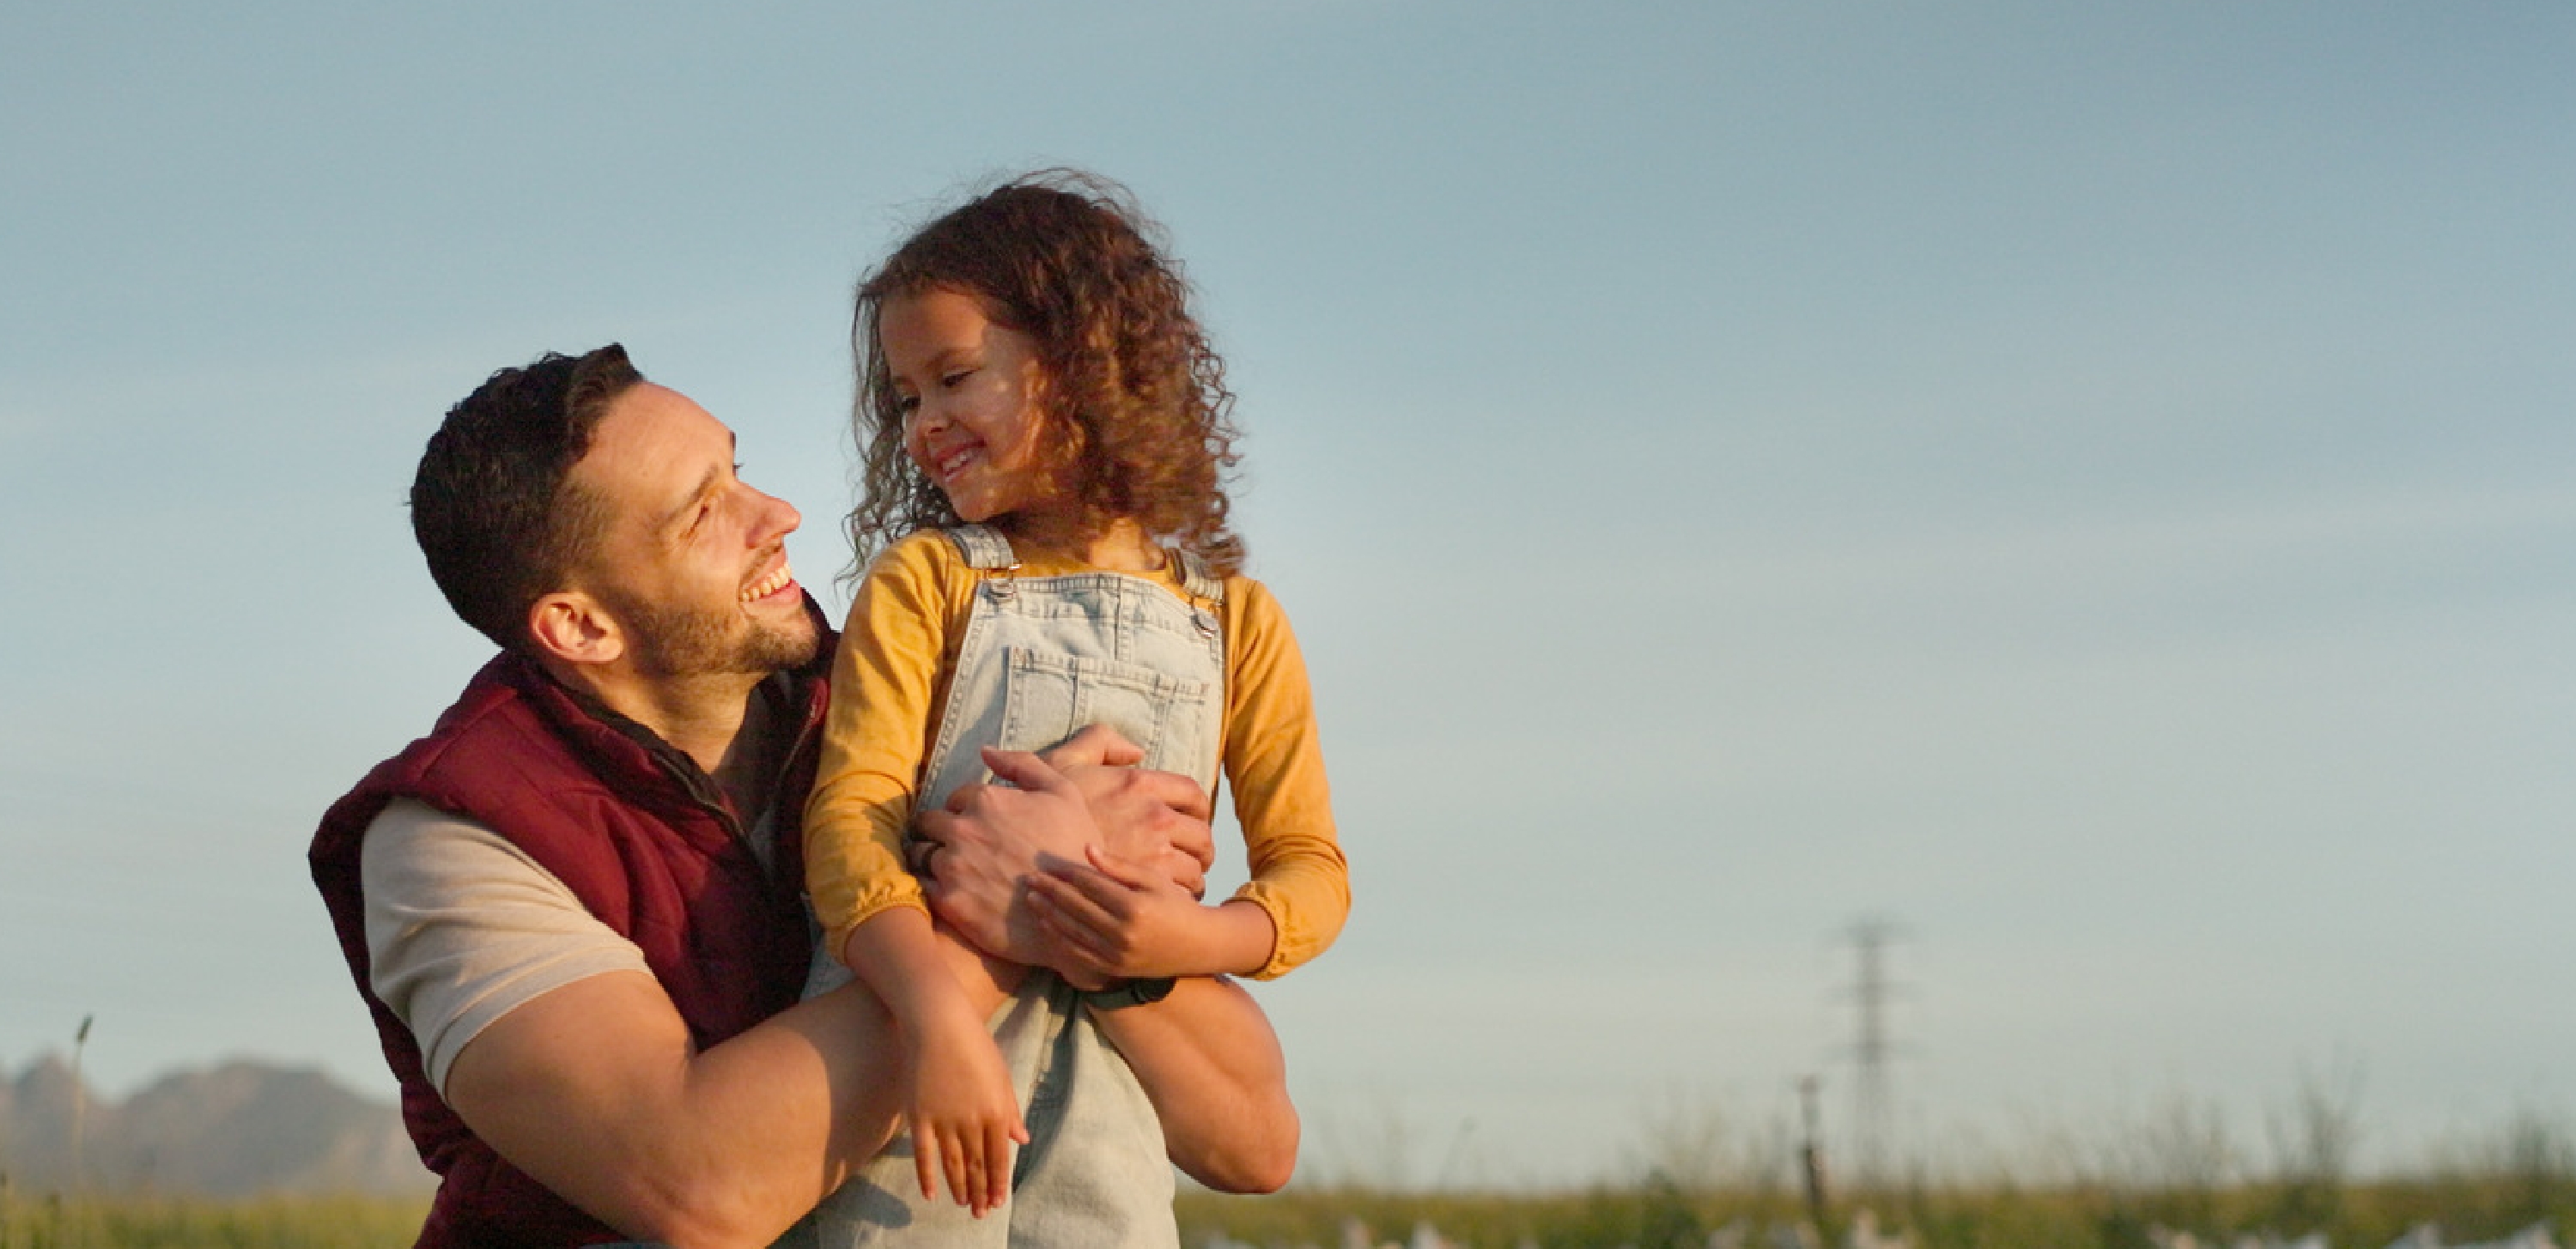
(1873, 1051)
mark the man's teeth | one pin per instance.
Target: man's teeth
(770, 584)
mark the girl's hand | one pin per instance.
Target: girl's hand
(1121, 920)
(965, 1116)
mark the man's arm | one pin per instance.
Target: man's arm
(1205, 1055)
(1002, 835)
(1212, 1067)
(545, 1031)
(595, 1091)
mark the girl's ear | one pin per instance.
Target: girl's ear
(1037, 387)
(1064, 435)
(571, 626)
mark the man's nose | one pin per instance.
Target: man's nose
(777, 519)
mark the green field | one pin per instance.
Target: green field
(1653, 1215)
(1660, 1216)
(46, 1222)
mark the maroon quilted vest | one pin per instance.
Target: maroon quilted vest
(641, 835)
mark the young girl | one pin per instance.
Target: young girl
(1044, 430)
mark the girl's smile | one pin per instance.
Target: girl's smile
(970, 390)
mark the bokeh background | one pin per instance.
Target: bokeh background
(2088, 486)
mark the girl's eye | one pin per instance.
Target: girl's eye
(905, 404)
(952, 379)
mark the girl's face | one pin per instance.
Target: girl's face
(972, 394)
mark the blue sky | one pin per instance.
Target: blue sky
(2090, 484)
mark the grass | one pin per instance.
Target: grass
(2174, 1170)
(132, 1222)
(1659, 1215)
(1652, 1215)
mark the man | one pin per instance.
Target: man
(573, 910)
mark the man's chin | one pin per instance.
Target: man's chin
(782, 649)
(801, 655)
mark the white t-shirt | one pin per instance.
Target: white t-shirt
(463, 927)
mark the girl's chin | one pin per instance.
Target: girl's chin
(977, 510)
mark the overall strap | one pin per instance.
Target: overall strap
(983, 546)
(1197, 580)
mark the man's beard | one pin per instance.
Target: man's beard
(694, 642)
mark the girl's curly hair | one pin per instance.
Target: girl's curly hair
(1138, 415)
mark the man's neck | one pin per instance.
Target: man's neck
(719, 721)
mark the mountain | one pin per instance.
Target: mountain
(237, 1129)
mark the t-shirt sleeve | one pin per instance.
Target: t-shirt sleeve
(1275, 763)
(885, 691)
(463, 928)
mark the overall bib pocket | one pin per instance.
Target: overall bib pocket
(1049, 696)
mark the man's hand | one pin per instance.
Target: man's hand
(993, 837)
(1117, 920)
(1158, 820)
(1051, 811)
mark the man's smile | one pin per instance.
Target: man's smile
(777, 581)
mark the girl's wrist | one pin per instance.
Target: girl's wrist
(939, 1014)
(926, 1007)
(1229, 938)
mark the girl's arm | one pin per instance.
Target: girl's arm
(1274, 760)
(963, 1110)
(885, 678)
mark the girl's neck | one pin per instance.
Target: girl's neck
(1122, 547)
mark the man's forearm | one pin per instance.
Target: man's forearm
(1205, 1054)
(1209, 1061)
(594, 1090)
(991, 838)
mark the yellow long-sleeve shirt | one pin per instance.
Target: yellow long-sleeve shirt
(889, 691)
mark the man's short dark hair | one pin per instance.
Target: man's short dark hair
(493, 505)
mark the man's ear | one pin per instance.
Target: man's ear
(574, 627)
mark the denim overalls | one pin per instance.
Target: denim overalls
(1043, 657)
